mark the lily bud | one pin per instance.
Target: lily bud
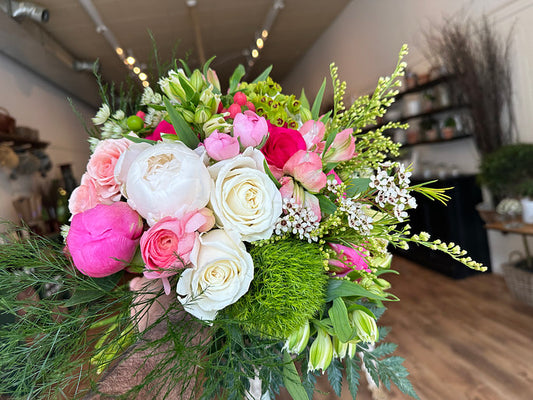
(216, 124)
(352, 349)
(365, 325)
(187, 115)
(212, 78)
(197, 81)
(305, 114)
(321, 351)
(339, 348)
(171, 86)
(208, 99)
(202, 114)
(297, 341)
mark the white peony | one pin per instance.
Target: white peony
(167, 179)
(222, 274)
(244, 198)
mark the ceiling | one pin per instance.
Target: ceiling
(227, 29)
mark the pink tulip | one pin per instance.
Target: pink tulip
(313, 134)
(102, 240)
(342, 148)
(250, 128)
(221, 146)
(347, 259)
(306, 168)
(163, 128)
(291, 190)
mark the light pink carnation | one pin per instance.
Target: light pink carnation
(167, 245)
(306, 168)
(101, 168)
(250, 128)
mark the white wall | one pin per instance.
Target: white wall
(364, 42)
(35, 103)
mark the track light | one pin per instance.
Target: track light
(20, 9)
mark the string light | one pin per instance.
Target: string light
(255, 53)
(264, 34)
(119, 51)
(259, 42)
(146, 84)
(130, 60)
(143, 76)
(136, 70)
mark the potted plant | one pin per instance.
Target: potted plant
(448, 130)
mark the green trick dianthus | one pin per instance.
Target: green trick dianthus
(288, 288)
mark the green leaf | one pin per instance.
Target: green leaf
(291, 379)
(339, 318)
(135, 139)
(325, 117)
(207, 64)
(182, 128)
(318, 101)
(329, 140)
(270, 175)
(326, 205)
(99, 287)
(384, 349)
(334, 372)
(83, 296)
(329, 167)
(187, 87)
(185, 68)
(344, 288)
(354, 307)
(391, 369)
(356, 186)
(303, 100)
(169, 136)
(236, 78)
(352, 376)
(263, 75)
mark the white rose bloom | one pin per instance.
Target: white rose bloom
(244, 198)
(221, 275)
(167, 179)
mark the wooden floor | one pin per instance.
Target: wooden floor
(463, 339)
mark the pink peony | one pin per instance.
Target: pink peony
(103, 240)
(84, 197)
(306, 168)
(101, 168)
(250, 128)
(313, 134)
(163, 128)
(167, 245)
(348, 259)
(221, 146)
(282, 143)
(342, 148)
(291, 190)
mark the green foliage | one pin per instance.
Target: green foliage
(352, 376)
(508, 171)
(334, 373)
(288, 288)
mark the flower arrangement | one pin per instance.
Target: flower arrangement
(234, 238)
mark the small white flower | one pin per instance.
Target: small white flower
(119, 115)
(102, 115)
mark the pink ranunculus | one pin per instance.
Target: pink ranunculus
(250, 128)
(103, 240)
(84, 197)
(140, 114)
(281, 144)
(342, 148)
(291, 190)
(101, 168)
(221, 146)
(347, 259)
(167, 245)
(306, 168)
(163, 128)
(313, 134)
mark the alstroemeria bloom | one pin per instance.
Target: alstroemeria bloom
(166, 246)
(103, 240)
(291, 190)
(167, 180)
(250, 128)
(221, 146)
(348, 259)
(342, 148)
(313, 134)
(306, 168)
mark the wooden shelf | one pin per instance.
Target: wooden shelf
(519, 227)
(425, 86)
(18, 141)
(440, 140)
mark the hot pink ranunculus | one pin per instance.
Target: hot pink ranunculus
(167, 245)
(347, 259)
(103, 240)
(342, 148)
(281, 144)
(306, 168)
(163, 128)
(101, 168)
(250, 128)
(313, 134)
(84, 197)
(291, 190)
(221, 146)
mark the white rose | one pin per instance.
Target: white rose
(167, 179)
(222, 274)
(244, 198)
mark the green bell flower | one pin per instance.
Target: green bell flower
(365, 325)
(202, 114)
(197, 81)
(339, 348)
(321, 351)
(297, 341)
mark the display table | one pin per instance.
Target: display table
(518, 227)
